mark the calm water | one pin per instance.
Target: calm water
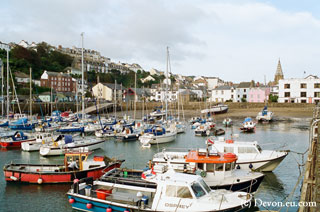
(275, 187)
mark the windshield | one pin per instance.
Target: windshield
(259, 148)
(205, 186)
(197, 189)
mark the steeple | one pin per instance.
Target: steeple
(279, 74)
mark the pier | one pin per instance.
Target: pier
(310, 191)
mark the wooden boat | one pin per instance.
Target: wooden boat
(14, 141)
(166, 192)
(60, 173)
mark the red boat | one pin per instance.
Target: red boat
(60, 173)
(14, 141)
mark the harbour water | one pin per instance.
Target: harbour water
(276, 186)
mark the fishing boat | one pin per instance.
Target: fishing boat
(66, 142)
(15, 140)
(202, 130)
(217, 169)
(157, 135)
(217, 109)
(60, 173)
(166, 192)
(248, 125)
(250, 155)
(264, 115)
(227, 122)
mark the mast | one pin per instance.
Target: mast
(82, 70)
(115, 99)
(8, 99)
(77, 104)
(135, 96)
(51, 100)
(30, 93)
(166, 99)
(2, 101)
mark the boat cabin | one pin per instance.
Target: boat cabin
(230, 146)
(43, 137)
(75, 156)
(18, 116)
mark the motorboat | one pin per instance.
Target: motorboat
(166, 192)
(264, 115)
(250, 155)
(248, 125)
(15, 140)
(65, 142)
(202, 130)
(41, 139)
(217, 169)
(128, 134)
(217, 109)
(158, 135)
(60, 173)
(227, 122)
(71, 128)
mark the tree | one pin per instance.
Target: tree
(273, 98)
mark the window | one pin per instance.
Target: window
(200, 166)
(219, 167)
(258, 96)
(222, 92)
(228, 167)
(286, 94)
(316, 85)
(228, 149)
(316, 94)
(244, 90)
(303, 101)
(210, 167)
(216, 92)
(303, 94)
(205, 186)
(178, 191)
(198, 190)
(247, 150)
(232, 96)
(286, 86)
(244, 96)
(303, 85)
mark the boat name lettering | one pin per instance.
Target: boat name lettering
(174, 205)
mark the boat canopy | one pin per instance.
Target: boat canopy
(201, 157)
(68, 139)
(247, 119)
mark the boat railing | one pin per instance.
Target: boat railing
(247, 189)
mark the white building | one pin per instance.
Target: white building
(107, 91)
(243, 91)
(223, 93)
(303, 90)
(22, 77)
(148, 78)
(213, 82)
(159, 96)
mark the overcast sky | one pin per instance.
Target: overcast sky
(236, 40)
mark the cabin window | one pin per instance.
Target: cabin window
(83, 157)
(200, 166)
(197, 189)
(205, 186)
(228, 149)
(210, 167)
(247, 150)
(228, 167)
(219, 167)
(259, 148)
(178, 191)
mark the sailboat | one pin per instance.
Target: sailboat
(160, 134)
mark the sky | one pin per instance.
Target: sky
(235, 40)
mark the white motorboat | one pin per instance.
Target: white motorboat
(166, 192)
(41, 139)
(202, 130)
(67, 142)
(217, 169)
(265, 115)
(248, 125)
(158, 135)
(220, 108)
(250, 155)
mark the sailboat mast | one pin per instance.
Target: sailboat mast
(82, 70)
(51, 100)
(2, 101)
(166, 99)
(135, 96)
(8, 99)
(30, 93)
(115, 99)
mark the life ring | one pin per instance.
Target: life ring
(229, 141)
(229, 155)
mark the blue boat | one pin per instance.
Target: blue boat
(71, 129)
(4, 124)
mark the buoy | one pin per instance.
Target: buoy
(89, 205)
(71, 200)
(39, 181)
(109, 210)
(75, 180)
(238, 166)
(229, 141)
(250, 166)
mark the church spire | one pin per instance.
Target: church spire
(279, 74)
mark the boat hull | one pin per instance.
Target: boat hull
(13, 144)
(52, 151)
(163, 139)
(55, 177)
